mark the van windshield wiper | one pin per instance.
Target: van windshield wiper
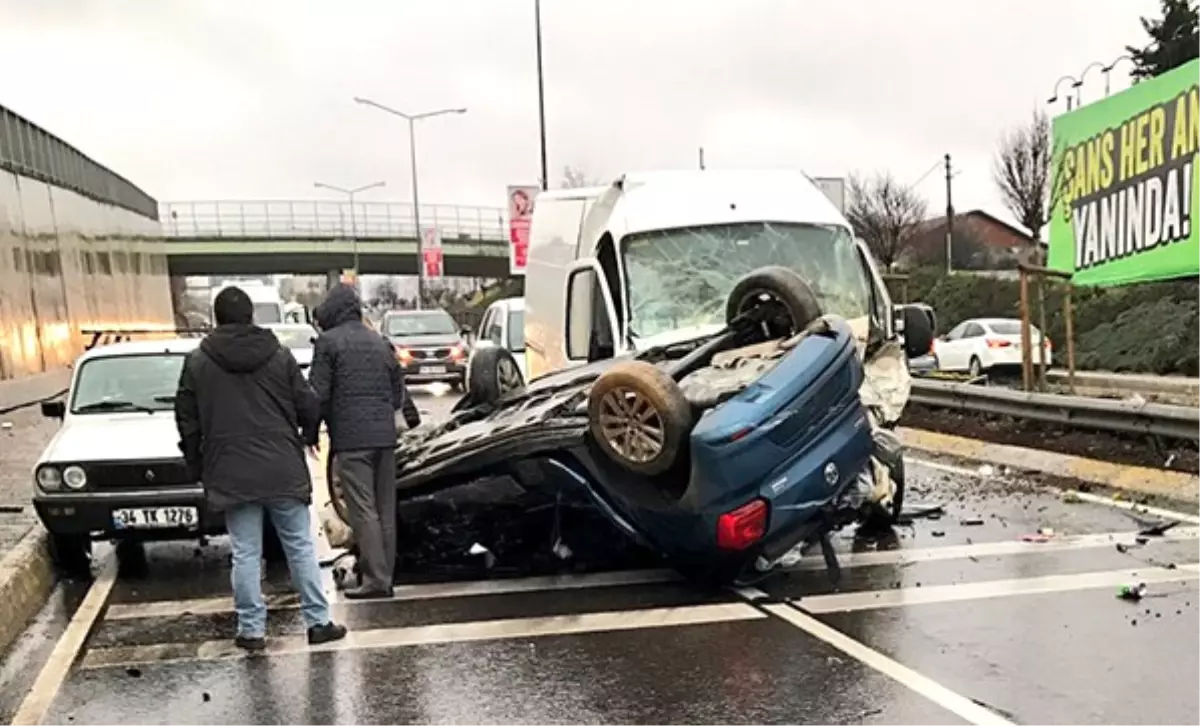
(114, 406)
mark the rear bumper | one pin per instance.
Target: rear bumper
(800, 496)
(91, 513)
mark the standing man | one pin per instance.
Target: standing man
(240, 405)
(360, 387)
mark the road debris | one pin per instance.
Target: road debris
(1132, 593)
(971, 522)
(1071, 496)
(1158, 529)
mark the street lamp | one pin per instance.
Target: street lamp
(1078, 85)
(412, 118)
(1054, 98)
(353, 225)
(1106, 70)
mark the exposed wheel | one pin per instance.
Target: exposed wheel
(975, 367)
(337, 496)
(793, 305)
(639, 417)
(272, 547)
(71, 554)
(493, 374)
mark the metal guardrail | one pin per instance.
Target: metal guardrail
(1177, 422)
(31, 151)
(283, 219)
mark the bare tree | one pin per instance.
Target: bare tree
(1024, 172)
(574, 178)
(885, 214)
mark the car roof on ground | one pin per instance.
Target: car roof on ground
(142, 347)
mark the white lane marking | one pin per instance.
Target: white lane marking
(435, 634)
(208, 606)
(871, 600)
(1084, 496)
(959, 705)
(990, 549)
(58, 666)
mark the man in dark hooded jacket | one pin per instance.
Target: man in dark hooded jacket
(360, 387)
(240, 405)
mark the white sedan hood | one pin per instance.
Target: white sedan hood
(115, 437)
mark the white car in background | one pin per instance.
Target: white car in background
(298, 338)
(984, 344)
(503, 325)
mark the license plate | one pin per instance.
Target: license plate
(155, 517)
(433, 369)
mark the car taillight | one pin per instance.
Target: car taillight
(998, 343)
(742, 527)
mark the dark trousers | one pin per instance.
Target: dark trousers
(368, 478)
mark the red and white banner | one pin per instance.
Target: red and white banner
(432, 260)
(520, 216)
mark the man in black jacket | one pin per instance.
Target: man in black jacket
(360, 387)
(240, 405)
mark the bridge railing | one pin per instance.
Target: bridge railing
(284, 219)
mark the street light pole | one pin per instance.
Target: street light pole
(412, 118)
(537, 23)
(353, 222)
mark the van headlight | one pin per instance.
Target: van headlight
(74, 477)
(49, 478)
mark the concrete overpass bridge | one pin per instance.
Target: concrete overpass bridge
(314, 237)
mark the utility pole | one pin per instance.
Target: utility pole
(949, 217)
(537, 20)
(701, 158)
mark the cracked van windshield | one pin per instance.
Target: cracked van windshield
(680, 278)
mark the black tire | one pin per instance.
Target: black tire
(494, 373)
(796, 303)
(336, 496)
(272, 547)
(975, 367)
(638, 390)
(71, 554)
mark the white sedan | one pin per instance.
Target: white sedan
(981, 344)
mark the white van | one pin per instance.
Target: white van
(651, 259)
(269, 307)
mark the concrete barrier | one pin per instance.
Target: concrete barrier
(20, 391)
(26, 580)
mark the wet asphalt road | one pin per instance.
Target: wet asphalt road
(961, 622)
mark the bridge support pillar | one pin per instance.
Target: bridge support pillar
(332, 278)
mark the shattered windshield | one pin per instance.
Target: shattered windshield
(679, 278)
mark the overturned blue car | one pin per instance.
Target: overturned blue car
(716, 455)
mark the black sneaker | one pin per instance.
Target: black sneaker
(253, 645)
(326, 633)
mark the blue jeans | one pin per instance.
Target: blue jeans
(291, 520)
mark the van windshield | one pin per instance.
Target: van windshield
(267, 313)
(679, 278)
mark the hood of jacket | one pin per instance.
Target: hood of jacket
(341, 305)
(240, 348)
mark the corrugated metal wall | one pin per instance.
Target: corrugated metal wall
(79, 247)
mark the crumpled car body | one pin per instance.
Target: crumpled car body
(779, 427)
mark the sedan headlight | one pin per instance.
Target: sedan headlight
(49, 478)
(74, 477)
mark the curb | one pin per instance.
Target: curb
(1173, 485)
(26, 580)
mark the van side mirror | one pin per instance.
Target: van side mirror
(54, 409)
(589, 331)
(918, 330)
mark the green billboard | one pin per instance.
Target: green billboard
(1125, 176)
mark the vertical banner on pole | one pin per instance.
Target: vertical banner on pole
(433, 263)
(520, 216)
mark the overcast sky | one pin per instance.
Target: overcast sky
(252, 99)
